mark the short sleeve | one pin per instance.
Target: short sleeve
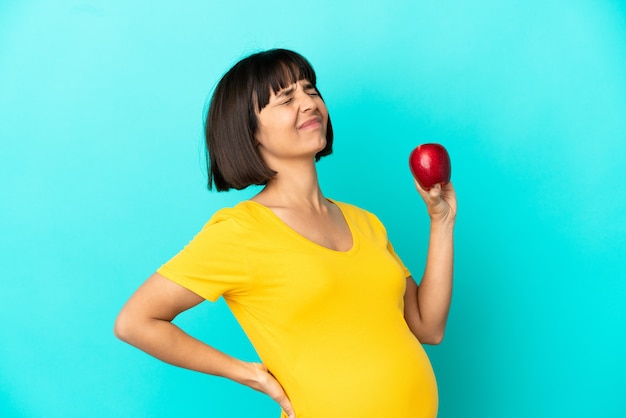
(213, 263)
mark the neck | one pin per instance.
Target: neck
(294, 187)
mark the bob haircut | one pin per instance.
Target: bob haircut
(233, 160)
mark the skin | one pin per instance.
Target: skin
(292, 129)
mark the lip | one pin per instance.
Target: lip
(313, 122)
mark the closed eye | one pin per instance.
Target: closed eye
(311, 90)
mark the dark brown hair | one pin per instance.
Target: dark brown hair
(233, 160)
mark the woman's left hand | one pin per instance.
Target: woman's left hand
(440, 202)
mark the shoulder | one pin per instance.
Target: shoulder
(244, 215)
(228, 227)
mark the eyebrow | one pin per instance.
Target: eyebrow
(285, 92)
(289, 90)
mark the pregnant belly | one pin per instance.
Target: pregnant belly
(372, 379)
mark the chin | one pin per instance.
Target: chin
(322, 143)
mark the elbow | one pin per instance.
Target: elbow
(432, 338)
(430, 335)
(119, 328)
(123, 328)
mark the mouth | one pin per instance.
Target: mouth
(312, 123)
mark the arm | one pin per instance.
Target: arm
(146, 323)
(426, 306)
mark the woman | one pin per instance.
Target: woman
(331, 310)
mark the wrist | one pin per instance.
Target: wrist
(252, 375)
(443, 225)
(242, 372)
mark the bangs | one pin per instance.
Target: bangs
(276, 70)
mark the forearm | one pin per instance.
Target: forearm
(435, 290)
(166, 341)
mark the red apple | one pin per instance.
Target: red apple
(430, 165)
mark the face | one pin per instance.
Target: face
(292, 125)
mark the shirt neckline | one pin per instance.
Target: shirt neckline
(302, 238)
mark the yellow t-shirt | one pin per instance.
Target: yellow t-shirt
(328, 324)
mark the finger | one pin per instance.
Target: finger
(276, 392)
(434, 193)
(448, 186)
(280, 397)
(287, 407)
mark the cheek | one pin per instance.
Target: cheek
(281, 120)
(323, 110)
(267, 125)
(270, 131)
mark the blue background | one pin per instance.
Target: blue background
(102, 180)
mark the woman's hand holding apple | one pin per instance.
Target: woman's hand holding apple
(431, 168)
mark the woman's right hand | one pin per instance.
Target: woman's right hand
(266, 382)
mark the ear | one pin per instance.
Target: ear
(258, 138)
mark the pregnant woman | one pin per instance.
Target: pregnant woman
(334, 315)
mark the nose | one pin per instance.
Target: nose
(307, 102)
